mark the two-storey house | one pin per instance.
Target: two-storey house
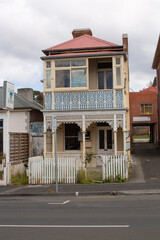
(86, 87)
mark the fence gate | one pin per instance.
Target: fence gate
(42, 170)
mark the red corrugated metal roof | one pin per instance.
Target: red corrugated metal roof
(84, 41)
(150, 89)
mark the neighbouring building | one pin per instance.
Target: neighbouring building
(19, 137)
(143, 113)
(156, 65)
(86, 87)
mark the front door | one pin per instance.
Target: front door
(105, 141)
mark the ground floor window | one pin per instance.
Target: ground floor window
(105, 139)
(71, 137)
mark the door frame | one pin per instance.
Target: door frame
(101, 151)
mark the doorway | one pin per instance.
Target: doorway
(105, 140)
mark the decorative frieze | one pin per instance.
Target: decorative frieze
(119, 99)
(48, 101)
(85, 120)
(83, 100)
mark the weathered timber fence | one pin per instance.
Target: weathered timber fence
(42, 170)
(114, 166)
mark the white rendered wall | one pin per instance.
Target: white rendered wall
(19, 122)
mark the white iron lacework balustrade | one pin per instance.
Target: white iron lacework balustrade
(48, 102)
(83, 100)
(119, 99)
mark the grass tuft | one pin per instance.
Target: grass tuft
(19, 179)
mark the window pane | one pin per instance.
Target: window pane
(78, 62)
(65, 63)
(71, 130)
(109, 139)
(118, 61)
(48, 78)
(71, 137)
(48, 64)
(62, 78)
(100, 80)
(148, 109)
(101, 139)
(105, 65)
(79, 78)
(118, 75)
(109, 80)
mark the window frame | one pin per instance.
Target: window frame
(105, 82)
(76, 137)
(70, 68)
(116, 66)
(145, 105)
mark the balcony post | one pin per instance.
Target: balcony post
(44, 153)
(53, 146)
(124, 134)
(84, 140)
(115, 135)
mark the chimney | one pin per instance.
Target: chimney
(26, 93)
(125, 42)
(79, 32)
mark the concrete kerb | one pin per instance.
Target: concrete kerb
(102, 193)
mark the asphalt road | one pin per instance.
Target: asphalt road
(97, 217)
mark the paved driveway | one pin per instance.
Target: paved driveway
(149, 159)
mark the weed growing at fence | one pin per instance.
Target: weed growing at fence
(117, 179)
(19, 179)
(89, 176)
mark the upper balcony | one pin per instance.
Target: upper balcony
(84, 100)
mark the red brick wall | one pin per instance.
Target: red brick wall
(138, 98)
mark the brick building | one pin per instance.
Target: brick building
(156, 65)
(143, 111)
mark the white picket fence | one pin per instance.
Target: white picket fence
(114, 166)
(42, 170)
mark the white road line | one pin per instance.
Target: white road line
(64, 226)
(61, 203)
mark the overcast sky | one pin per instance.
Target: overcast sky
(28, 26)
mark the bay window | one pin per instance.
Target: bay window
(70, 73)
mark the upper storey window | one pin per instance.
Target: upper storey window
(146, 109)
(105, 79)
(48, 64)
(70, 73)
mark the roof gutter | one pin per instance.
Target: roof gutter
(79, 49)
(85, 55)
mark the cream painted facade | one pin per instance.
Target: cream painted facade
(103, 114)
